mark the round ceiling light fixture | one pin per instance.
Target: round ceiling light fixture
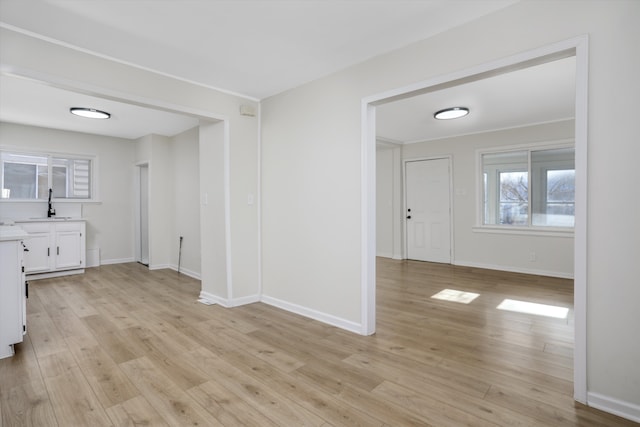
(451, 113)
(90, 113)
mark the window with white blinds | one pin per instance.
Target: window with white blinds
(29, 176)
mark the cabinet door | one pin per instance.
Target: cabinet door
(37, 259)
(11, 299)
(68, 249)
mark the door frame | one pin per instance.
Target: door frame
(449, 158)
(138, 211)
(578, 47)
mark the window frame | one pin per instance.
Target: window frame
(481, 205)
(50, 155)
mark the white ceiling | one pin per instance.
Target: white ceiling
(262, 47)
(539, 94)
(36, 104)
(257, 48)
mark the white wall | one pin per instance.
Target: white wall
(213, 231)
(154, 150)
(389, 199)
(554, 255)
(109, 222)
(184, 159)
(384, 202)
(311, 172)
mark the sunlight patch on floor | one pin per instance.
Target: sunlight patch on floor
(455, 296)
(534, 308)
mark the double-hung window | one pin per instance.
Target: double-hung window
(29, 176)
(528, 188)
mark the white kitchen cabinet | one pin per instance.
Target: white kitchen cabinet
(56, 247)
(13, 308)
(37, 259)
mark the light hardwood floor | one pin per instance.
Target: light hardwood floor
(124, 346)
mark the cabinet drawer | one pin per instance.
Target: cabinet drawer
(35, 227)
(68, 226)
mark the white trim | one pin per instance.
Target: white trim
(38, 276)
(577, 46)
(628, 410)
(185, 271)
(249, 299)
(313, 314)
(259, 199)
(119, 61)
(136, 207)
(512, 269)
(228, 302)
(581, 217)
(523, 231)
(159, 266)
(384, 254)
(116, 261)
(368, 220)
(227, 209)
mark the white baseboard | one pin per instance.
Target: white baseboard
(158, 266)
(186, 272)
(229, 303)
(116, 261)
(389, 255)
(38, 276)
(614, 406)
(313, 314)
(537, 272)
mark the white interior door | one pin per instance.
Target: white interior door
(428, 210)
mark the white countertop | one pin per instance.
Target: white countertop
(52, 219)
(12, 232)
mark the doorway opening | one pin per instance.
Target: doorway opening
(577, 47)
(142, 214)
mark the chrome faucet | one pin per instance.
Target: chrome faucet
(50, 212)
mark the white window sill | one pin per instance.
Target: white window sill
(525, 231)
(83, 201)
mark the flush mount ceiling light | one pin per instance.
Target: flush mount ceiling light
(451, 113)
(89, 113)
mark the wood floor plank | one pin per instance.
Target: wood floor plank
(308, 394)
(108, 382)
(434, 411)
(26, 404)
(135, 412)
(122, 345)
(73, 401)
(402, 370)
(21, 368)
(171, 402)
(44, 335)
(227, 406)
(242, 382)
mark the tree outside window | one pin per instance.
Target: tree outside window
(529, 188)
